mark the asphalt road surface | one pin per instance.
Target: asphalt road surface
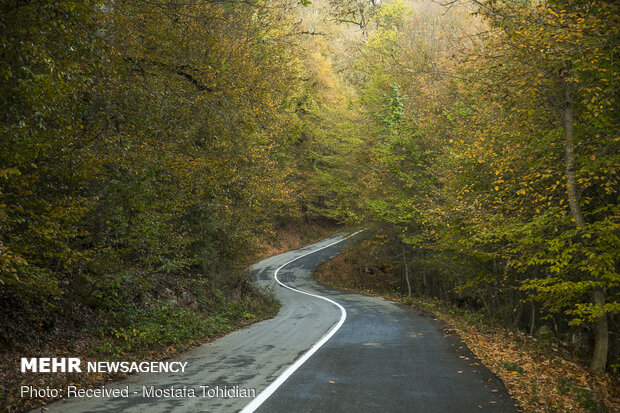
(326, 351)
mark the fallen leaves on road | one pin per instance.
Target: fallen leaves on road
(539, 378)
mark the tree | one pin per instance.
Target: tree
(357, 12)
(138, 138)
(547, 69)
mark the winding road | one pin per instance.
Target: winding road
(326, 351)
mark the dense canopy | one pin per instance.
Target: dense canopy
(154, 139)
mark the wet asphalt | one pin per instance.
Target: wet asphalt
(386, 357)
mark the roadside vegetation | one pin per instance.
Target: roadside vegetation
(148, 318)
(151, 149)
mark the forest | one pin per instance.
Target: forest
(149, 150)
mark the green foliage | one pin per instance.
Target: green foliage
(514, 367)
(139, 140)
(516, 160)
(490, 156)
(132, 319)
(163, 327)
(583, 396)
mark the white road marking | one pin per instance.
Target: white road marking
(269, 390)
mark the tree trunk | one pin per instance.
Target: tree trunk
(406, 272)
(601, 332)
(424, 281)
(601, 335)
(533, 319)
(516, 314)
(568, 118)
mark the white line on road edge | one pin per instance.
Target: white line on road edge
(269, 390)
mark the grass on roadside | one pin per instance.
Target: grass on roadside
(181, 313)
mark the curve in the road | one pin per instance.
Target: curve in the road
(269, 390)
